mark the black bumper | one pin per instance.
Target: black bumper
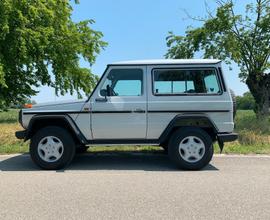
(20, 134)
(227, 137)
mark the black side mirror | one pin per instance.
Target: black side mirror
(103, 92)
(109, 91)
(106, 92)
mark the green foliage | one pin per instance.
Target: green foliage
(247, 121)
(22, 103)
(10, 116)
(39, 37)
(243, 39)
(245, 102)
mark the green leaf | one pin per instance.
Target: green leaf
(41, 45)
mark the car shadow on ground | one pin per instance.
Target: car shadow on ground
(144, 161)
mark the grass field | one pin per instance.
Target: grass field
(254, 136)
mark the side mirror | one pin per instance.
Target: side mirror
(106, 92)
(103, 92)
(109, 90)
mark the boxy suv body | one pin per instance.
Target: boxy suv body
(182, 105)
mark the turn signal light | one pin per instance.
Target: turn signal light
(28, 106)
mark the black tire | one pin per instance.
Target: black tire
(81, 149)
(67, 142)
(178, 136)
(165, 148)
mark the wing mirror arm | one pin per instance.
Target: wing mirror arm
(104, 93)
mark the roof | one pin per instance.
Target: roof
(167, 62)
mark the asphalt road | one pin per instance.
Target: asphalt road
(135, 186)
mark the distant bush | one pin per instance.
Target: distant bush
(245, 102)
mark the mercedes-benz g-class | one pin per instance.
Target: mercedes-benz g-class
(182, 105)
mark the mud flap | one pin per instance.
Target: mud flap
(221, 145)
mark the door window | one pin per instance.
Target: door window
(123, 82)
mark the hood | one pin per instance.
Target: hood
(66, 102)
(70, 105)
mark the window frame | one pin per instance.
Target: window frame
(188, 94)
(115, 68)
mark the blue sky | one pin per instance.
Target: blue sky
(137, 30)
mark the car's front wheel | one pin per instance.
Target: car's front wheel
(190, 148)
(52, 148)
(81, 149)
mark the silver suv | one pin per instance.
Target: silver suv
(183, 106)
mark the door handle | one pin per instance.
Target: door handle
(138, 110)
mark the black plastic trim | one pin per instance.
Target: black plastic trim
(178, 118)
(139, 111)
(227, 137)
(56, 113)
(127, 111)
(67, 118)
(222, 79)
(104, 112)
(20, 134)
(123, 141)
(20, 117)
(186, 111)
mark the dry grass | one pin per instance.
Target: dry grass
(8, 142)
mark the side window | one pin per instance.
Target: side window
(204, 81)
(169, 81)
(123, 82)
(177, 81)
(211, 82)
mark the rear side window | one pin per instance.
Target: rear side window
(189, 81)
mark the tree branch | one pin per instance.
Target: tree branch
(241, 40)
(189, 16)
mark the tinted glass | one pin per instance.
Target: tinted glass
(169, 81)
(175, 81)
(124, 82)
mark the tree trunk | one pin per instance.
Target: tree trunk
(259, 86)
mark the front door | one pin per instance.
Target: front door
(118, 106)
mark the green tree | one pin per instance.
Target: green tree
(245, 102)
(39, 37)
(243, 39)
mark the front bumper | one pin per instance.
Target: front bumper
(227, 137)
(20, 134)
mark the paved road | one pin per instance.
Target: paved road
(135, 186)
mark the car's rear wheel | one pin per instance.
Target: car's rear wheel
(190, 148)
(52, 148)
